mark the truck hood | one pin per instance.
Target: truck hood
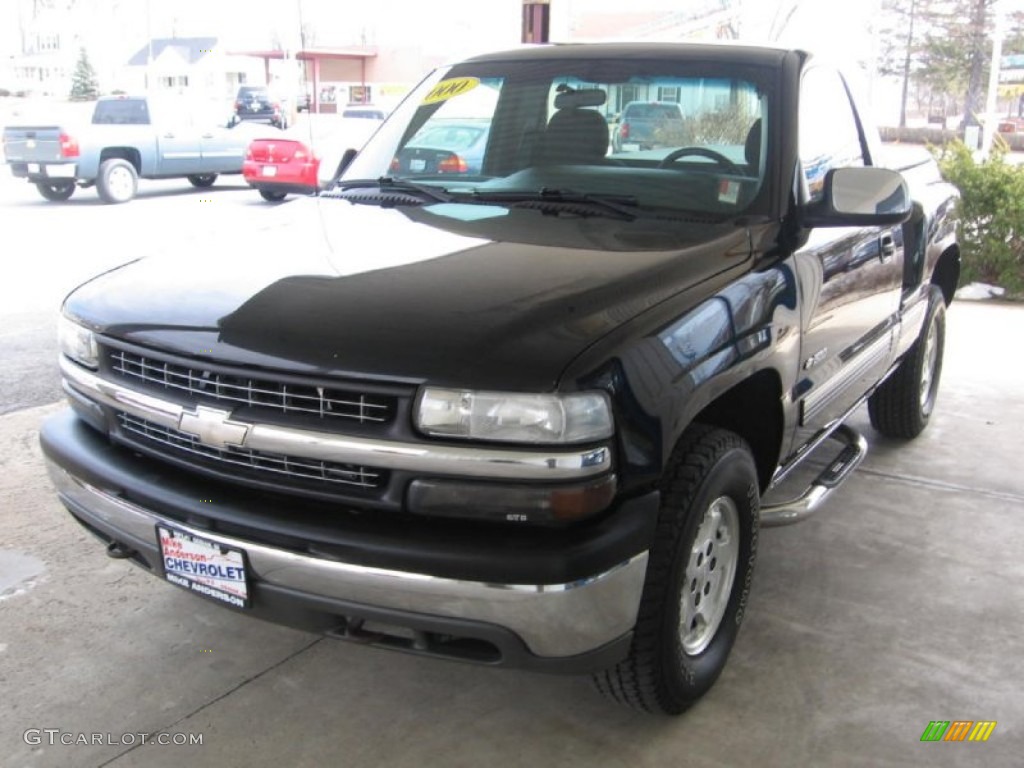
(452, 294)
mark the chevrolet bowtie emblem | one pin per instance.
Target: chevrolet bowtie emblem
(213, 427)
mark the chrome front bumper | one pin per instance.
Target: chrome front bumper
(553, 620)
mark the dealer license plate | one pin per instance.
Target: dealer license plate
(204, 567)
(270, 170)
(65, 171)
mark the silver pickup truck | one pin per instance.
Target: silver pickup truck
(128, 138)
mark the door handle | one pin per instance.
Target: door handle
(887, 249)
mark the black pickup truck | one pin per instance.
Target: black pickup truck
(521, 414)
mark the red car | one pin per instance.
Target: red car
(279, 166)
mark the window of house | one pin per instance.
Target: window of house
(670, 93)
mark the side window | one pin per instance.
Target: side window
(828, 129)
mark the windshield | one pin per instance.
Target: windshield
(668, 134)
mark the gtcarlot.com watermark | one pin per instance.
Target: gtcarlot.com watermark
(35, 737)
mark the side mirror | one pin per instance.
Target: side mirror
(860, 197)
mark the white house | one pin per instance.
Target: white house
(198, 67)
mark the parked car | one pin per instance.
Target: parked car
(279, 166)
(647, 125)
(291, 163)
(524, 418)
(130, 137)
(254, 103)
(1011, 125)
(364, 111)
(444, 146)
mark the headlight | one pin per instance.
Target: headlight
(571, 418)
(77, 342)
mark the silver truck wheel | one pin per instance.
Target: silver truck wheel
(710, 572)
(699, 573)
(117, 181)
(902, 406)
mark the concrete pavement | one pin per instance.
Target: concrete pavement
(898, 605)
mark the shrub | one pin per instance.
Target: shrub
(991, 211)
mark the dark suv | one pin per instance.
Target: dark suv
(254, 104)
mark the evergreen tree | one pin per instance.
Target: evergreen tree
(942, 46)
(84, 86)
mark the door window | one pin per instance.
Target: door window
(829, 136)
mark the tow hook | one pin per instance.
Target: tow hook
(119, 551)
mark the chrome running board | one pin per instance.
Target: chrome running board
(835, 474)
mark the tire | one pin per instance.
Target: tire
(202, 181)
(704, 549)
(56, 191)
(272, 197)
(903, 404)
(117, 181)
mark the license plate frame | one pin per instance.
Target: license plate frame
(204, 567)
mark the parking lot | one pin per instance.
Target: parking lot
(899, 604)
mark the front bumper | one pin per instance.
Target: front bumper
(573, 626)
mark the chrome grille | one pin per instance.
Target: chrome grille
(171, 441)
(251, 390)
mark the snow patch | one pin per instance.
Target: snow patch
(18, 573)
(980, 292)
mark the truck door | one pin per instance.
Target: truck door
(179, 148)
(849, 277)
(223, 149)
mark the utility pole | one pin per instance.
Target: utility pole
(991, 120)
(536, 21)
(149, 42)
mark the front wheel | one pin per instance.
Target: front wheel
(117, 181)
(202, 181)
(698, 575)
(272, 197)
(903, 404)
(56, 191)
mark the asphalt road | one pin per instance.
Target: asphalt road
(49, 248)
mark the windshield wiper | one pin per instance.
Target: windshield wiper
(624, 206)
(389, 184)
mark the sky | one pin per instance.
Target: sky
(842, 27)
(248, 22)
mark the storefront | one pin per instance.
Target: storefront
(331, 77)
